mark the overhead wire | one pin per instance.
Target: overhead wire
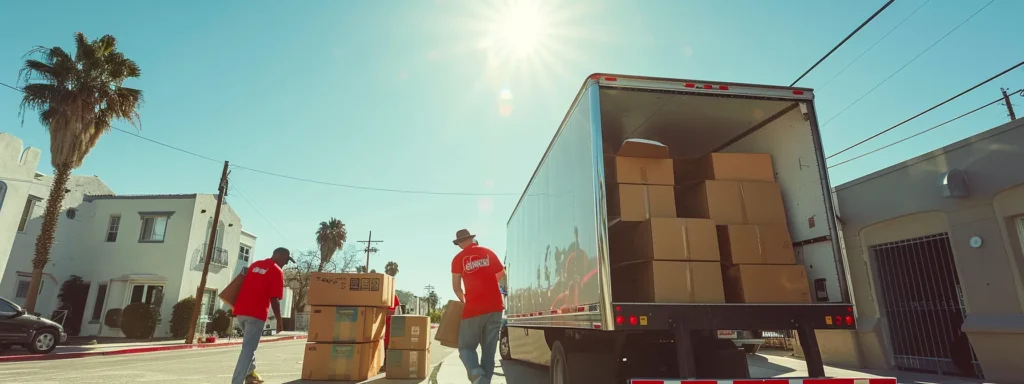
(259, 212)
(924, 131)
(861, 26)
(927, 110)
(823, 86)
(907, 64)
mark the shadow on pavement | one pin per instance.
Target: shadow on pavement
(519, 372)
(760, 363)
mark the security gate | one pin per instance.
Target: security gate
(924, 305)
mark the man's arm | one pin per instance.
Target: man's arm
(275, 305)
(276, 297)
(497, 265)
(457, 287)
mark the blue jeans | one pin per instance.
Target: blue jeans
(479, 331)
(252, 329)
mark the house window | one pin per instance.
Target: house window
(112, 226)
(97, 307)
(145, 293)
(243, 253)
(154, 227)
(26, 214)
(22, 291)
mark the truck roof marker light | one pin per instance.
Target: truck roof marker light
(691, 85)
(619, 320)
(723, 87)
(707, 86)
(633, 320)
(609, 78)
(798, 93)
(580, 308)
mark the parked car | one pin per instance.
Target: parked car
(18, 327)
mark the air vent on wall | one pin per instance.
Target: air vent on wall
(953, 183)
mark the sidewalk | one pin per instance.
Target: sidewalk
(79, 351)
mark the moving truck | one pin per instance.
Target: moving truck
(570, 308)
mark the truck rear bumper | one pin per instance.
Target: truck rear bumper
(653, 316)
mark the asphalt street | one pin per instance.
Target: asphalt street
(278, 362)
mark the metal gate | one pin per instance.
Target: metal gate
(924, 305)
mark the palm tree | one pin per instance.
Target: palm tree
(330, 237)
(432, 300)
(77, 98)
(391, 268)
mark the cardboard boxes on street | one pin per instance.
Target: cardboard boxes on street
(346, 325)
(409, 351)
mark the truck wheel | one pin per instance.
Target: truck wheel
(751, 348)
(559, 369)
(503, 346)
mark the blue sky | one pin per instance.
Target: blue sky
(464, 96)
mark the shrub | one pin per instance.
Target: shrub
(137, 321)
(435, 316)
(220, 324)
(181, 315)
(113, 318)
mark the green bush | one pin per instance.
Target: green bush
(137, 321)
(435, 316)
(220, 324)
(113, 318)
(181, 315)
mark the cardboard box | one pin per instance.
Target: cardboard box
(767, 284)
(351, 289)
(668, 282)
(732, 202)
(755, 244)
(407, 364)
(639, 162)
(355, 362)
(346, 324)
(230, 293)
(448, 330)
(410, 332)
(638, 202)
(665, 239)
(726, 167)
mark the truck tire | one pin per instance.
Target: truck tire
(504, 348)
(558, 371)
(751, 349)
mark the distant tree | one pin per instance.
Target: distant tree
(360, 269)
(330, 237)
(432, 300)
(74, 293)
(78, 96)
(391, 268)
(297, 274)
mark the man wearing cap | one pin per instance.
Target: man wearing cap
(479, 270)
(263, 287)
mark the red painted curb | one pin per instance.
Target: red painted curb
(129, 351)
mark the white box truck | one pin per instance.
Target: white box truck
(561, 312)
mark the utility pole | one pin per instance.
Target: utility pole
(1009, 107)
(370, 249)
(197, 305)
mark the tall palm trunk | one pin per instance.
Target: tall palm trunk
(44, 242)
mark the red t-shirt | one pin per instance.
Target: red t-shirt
(479, 268)
(263, 281)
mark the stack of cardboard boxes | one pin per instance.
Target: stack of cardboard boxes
(705, 230)
(409, 350)
(346, 325)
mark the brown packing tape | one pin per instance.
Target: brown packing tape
(692, 294)
(760, 248)
(647, 200)
(743, 205)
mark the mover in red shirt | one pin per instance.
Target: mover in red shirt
(479, 270)
(262, 288)
(392, 310)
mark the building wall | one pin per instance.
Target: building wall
(905, 201)
(17, 169)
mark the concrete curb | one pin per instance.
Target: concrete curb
(129, 351)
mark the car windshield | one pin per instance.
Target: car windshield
(8, 307)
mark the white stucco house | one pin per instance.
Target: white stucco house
(129, 248)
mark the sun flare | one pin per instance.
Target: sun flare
(520, 28)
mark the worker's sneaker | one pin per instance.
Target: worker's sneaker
(253, 378)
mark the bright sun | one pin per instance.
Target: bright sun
(521, 26)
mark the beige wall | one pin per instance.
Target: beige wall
(991, 276)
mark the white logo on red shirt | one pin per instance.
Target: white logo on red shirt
(262, 271)
(472, 265)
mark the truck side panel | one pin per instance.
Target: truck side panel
(553, 245)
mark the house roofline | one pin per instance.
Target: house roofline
(90, 198)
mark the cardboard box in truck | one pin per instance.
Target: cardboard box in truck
(640, 162)
(448, 330)
(755, 244)
(664, 239)
(407, 364)
(639, 202)
(351, 289)
(354, 362)
(346, 324)
(668, 282)
(732, 202)
(767, 284)
(725, 167)
(410, 332)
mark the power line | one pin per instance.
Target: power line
(927, 110)
(259, 212)
(887, 4)
(822, 87)
(907, 64)
(296, 178)
(919, 133)
(11, 87)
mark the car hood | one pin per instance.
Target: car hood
(35, 321)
